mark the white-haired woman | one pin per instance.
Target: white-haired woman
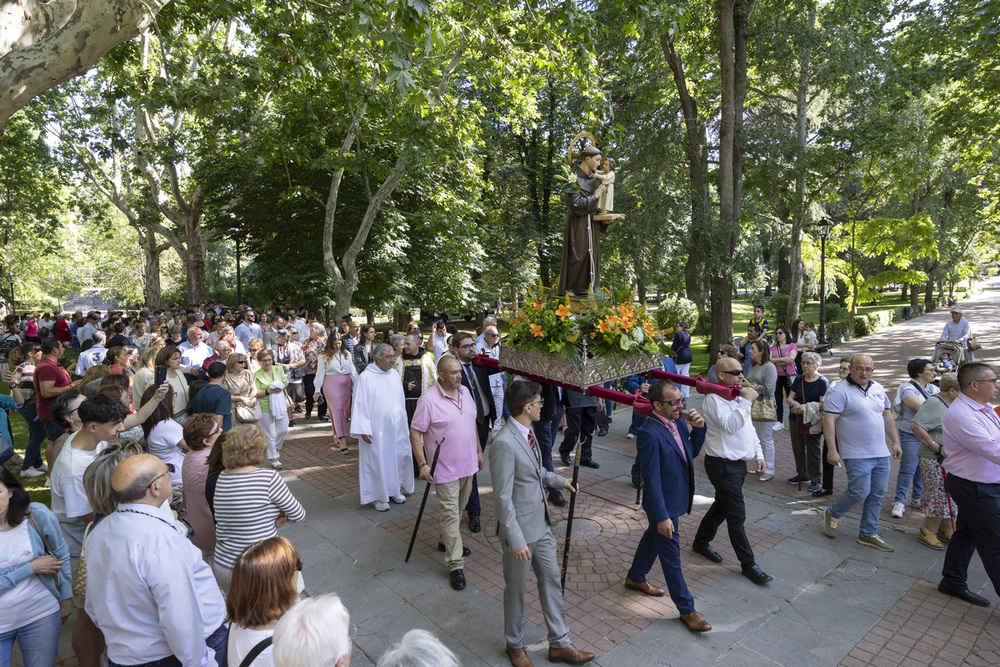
(805, 408)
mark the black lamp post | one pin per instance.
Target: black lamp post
(824, 225)
(10, 276)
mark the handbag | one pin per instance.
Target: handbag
(973, 344)
(45, 543)
(80, 576)
(763, 410)
(248, 414)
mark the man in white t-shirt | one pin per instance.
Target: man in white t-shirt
(102, 421)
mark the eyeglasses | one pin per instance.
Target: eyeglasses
(675, 402)
(992, 380)
(467, 347)
(863, 369)
(540, 401)
(491, 335)
(170, 469)
(733, 373)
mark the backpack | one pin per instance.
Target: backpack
(8, 343)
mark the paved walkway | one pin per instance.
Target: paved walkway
(831, 602)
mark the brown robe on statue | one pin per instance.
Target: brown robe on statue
(581, 259)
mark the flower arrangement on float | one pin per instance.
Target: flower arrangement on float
(551, 335)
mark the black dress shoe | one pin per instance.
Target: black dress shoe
(465, 549)
(590, 463)
(458, 580)
(324, 418)
(821, 493)
(707, 551)
(966, 595)
(602, 432)
(757, 575)
(474, 525)
(565, 459)
(556, 498)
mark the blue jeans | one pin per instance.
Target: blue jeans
(36, 435)
(867, 480)
(39, 642)
(909, 469)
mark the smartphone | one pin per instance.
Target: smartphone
(685, 415)
(4, 369)
(159, 375)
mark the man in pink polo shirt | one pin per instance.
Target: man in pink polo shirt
(971, 433)
(446, 413)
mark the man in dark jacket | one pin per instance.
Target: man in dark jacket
(666, 452)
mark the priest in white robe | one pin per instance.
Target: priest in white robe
(378, 421)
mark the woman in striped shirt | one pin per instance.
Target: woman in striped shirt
(250, 503)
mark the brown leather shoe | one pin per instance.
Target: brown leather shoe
(696, 622)
(570, 654)
(518, 657)
(644, 587)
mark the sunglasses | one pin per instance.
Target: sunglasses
(733, 373)
(675, 402)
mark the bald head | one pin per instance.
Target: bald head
(133, 477)
(725, 367)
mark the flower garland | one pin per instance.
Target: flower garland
(549, 324)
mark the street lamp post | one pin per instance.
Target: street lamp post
(825, 225)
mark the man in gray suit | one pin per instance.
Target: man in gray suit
(519, 482)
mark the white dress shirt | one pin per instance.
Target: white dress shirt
(194, 356)
(730, 433)
(150, 592)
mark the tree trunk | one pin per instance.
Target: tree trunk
(194, 262)
(400, 320)
(722, 314)
(928, 294)
(151, 272)
(902, 292)
(696, 266)
(43, 44)
(795, 258)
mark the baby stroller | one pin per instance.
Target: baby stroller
(954, 351)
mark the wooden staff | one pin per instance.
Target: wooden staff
(423, 503)
(572, 504)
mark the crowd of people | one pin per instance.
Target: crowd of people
(163, 457)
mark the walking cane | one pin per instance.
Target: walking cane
(423, 503)
(572, 504)
(638, 489)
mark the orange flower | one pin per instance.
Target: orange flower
(563, 312)
(593, 334)
(537, 306)
(604, 325)
(536, 330)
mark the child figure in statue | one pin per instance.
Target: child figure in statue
(606, 203)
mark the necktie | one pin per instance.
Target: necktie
(534, 446)
(672, 427)
(473, 385)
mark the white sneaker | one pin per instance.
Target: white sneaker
(32, 472)
(630, 436)
(777, 426)
(380, 506)
(43, 468)
(399, 500)
(276, 464)
(898, 509)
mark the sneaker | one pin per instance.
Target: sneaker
(874, 541)
(276, 464)
(796, 480)
(766, 478)
(32, 472)
(380, 506)
(898, 509)
(299, 411)
(399, 500)
(630, 436)
(777, 426)
(43, 468)
(815, 486)
(829, 524)
(915, 503)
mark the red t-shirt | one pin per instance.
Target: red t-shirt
(48, 371)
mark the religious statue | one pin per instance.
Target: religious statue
(606, 175)
(581, 259)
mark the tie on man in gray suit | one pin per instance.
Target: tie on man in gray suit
(519, 482)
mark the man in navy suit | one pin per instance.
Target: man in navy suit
(666, 454)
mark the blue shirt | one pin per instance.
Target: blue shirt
(215, 399)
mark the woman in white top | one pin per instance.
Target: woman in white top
(171, 358)
(164, 436)
(263, 586)
(336, 373)
(143, 378)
